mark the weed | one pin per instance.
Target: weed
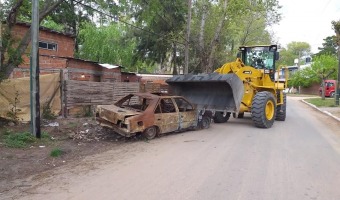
(47, 112)
(19, 140)
(56, 152)
(13, 112)
(45, 135)
(87, 110)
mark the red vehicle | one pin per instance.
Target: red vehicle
(329, 88)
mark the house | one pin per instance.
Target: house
(56, 53)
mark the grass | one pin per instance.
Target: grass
(22, 139)
(328, 102)
(56, 152)
(19, 140)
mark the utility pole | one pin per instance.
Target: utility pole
(1, 51)
(186, 67)
(0, 43)
(336, 27)
(34, 72)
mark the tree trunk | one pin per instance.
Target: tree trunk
(174, 64)
(186, 68)
(202, 54)
(214, 42)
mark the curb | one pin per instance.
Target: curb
(325, 112)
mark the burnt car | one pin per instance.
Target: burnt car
(151, 115)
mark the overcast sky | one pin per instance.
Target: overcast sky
(307, 21)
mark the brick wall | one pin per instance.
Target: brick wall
(65, 43)
(91, 71)
(65, 49)
(51, 61)
(314, 89)
(129, 77)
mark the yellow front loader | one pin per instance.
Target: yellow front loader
(246, 85)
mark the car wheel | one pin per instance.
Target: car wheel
(150, 132)
(205, 123)
(332, 94)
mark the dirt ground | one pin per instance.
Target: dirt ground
(75, 137)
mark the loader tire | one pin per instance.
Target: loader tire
(218, 118)
(281, 110)
(263, 109)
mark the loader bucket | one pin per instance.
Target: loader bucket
(219, 92)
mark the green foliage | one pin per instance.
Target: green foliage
(329, 47)
(56, 152)
(49, 23)
(22, 139)
(324, 66)
(107, 44)
(163, 22)
(19, 140)
(47, 112)
(294, 50)
(319, 102)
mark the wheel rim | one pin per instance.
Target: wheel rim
(151, 132)
(269, 110)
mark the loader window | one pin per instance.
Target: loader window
(259, 58)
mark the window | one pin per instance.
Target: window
(48, 45)
(183, 105)
(167, 106)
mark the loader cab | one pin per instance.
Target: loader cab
(260, 57)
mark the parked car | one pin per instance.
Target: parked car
(329, 88)
(152, 114)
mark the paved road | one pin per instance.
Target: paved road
(297, 159)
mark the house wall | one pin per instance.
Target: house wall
(65, 43)
(51, 61)
(47, 64)
(90, 71)
(129, 77)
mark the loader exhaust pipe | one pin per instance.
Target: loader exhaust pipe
(217, 92)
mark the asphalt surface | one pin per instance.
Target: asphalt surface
(294, 160)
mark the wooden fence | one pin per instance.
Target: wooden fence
(86, 93)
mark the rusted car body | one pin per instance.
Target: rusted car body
(151, 114)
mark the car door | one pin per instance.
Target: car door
(187, 113)
(166, 116)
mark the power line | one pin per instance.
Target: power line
(127, 23)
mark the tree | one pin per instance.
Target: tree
(167, 20)
(14, 49)
(322, 68)
(328, 47)
(107, 44)
(220, 26)
(294, 50)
